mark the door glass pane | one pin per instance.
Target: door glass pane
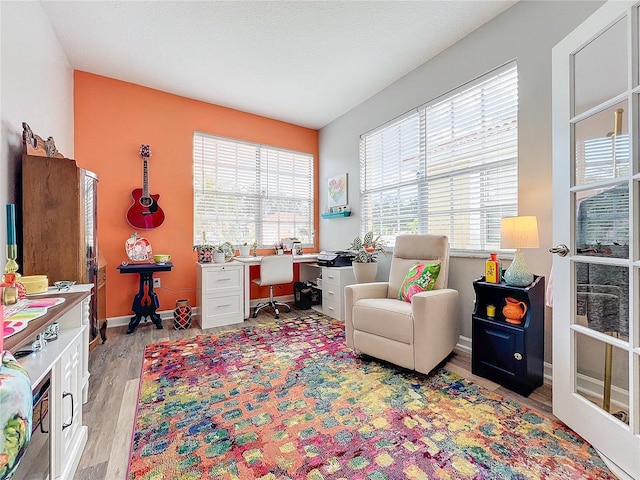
(606, 53)
(603, 375)
(602, 145)
(602, 298)
(602, 222)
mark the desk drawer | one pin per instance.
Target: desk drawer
(331, 293)
(332, 309)
(220, 310)
(331, 278)
(220, 279)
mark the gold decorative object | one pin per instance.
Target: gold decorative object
(12, 254)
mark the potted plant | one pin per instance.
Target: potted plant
(244, 249)
(218, 253)
(365, 256)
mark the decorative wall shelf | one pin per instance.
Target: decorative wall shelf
(335, 214)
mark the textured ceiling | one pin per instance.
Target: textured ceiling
(303, 62)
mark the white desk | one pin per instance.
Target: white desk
(248, 261)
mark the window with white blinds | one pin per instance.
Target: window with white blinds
(448, 167)
(245, 192)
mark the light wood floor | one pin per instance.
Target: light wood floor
(113, 391)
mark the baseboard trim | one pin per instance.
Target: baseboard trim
(464, 345)
(123, 321)
(594, 388)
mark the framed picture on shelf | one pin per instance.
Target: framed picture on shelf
(337, 190)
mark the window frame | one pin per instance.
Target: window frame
(486, 173)
(273, 171)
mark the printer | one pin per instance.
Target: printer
(334, 259)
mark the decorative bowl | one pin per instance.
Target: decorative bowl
(64, 284)
(161, 258)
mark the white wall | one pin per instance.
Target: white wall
(525, 32)
(36, 87)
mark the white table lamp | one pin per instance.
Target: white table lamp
(519, 233)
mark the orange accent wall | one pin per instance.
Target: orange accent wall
(112, 119)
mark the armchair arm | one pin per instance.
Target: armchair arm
(435, 327)
(353, 293)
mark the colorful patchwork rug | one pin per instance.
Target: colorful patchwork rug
(288, 400)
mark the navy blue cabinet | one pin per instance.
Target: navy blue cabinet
(510, 353)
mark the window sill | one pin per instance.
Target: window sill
(482, 255)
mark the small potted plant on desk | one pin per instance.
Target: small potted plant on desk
(244, 249)
(365, 257)
(218, 253)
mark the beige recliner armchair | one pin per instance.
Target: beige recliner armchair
(418, 334)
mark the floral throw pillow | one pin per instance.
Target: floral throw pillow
(420, 278)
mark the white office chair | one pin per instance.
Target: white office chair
(274, 270)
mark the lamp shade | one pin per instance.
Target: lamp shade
(519, 232)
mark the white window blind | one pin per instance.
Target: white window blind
(250, 192)
(391, 178)
(602, 213)
(449, 167)
(602, 217)
(601, 158)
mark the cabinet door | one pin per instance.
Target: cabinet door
(499, 351)
(71, 380)
(67, 433)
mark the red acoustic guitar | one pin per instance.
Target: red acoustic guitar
(145, 213)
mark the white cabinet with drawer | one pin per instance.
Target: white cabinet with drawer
(61, 363)
(334, 279)
(220, 293)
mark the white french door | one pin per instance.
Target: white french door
(596, 188)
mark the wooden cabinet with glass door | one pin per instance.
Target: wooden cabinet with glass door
(59, 218)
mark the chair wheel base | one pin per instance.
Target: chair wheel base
(272, 304)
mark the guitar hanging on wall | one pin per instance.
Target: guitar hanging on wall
(145, 213)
